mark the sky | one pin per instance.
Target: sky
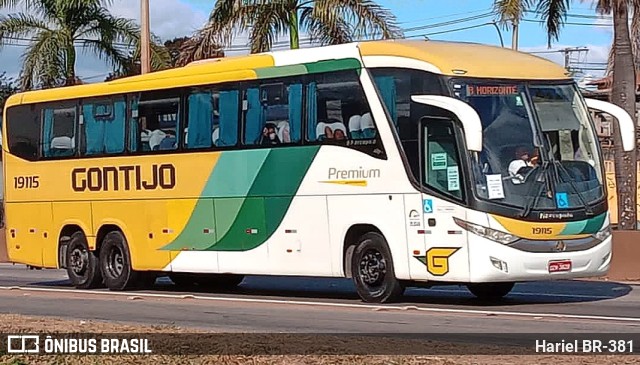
(175, 18)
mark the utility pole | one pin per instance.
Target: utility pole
(567, 55)
(145, 37)
(514, 39)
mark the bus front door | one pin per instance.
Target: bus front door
(442, 177)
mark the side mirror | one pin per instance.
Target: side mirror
(464, 112)
(626, 124)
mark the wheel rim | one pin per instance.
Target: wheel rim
(373, 268)
(115, 262)
(79, 261)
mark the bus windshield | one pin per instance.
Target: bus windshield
(539, 148)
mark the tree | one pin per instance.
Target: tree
(326, 21)
(160, 60)
(7, 88)
(196, 48)
(623, 94)
(56, 28)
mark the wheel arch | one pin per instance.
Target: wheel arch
(350, 242)
(64, 237)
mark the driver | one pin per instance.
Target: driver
(519, 167)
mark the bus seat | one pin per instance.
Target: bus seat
(338, 125)
(167, 143)
(284, 132)
(62, 146)
(215, 136)
(155, 138)
(320, 131)
(367, 126)
(355, 130)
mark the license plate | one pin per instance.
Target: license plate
(560, 266)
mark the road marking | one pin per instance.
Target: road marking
(336, 305)
(525, 294)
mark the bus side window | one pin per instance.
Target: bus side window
(441, 162)
(59, 132)
(23, 131)
(337, 109)
(158, 115)
(104, 126)
(273, 114)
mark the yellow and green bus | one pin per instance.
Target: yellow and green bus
(394, 163)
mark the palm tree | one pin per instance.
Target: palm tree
(326, 21)
(54, 28)
(623, 93)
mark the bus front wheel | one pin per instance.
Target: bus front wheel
(372, 270)
(115, 263)
(490, 291)
(83, 268)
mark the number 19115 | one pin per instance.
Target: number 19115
(26, 182)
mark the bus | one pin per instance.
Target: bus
(391, 163)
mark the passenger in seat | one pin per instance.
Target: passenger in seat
(269, 135)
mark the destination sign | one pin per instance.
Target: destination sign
(487, 90)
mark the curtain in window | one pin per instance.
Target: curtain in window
(295, 111)
(312, 111)
(228, 118)
(200, 120)
(94, 131)
(387, 88)
(114, 129)
(255, 117)
(47, 132)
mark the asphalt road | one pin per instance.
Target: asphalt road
(287, 304)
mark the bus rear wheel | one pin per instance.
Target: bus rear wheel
(490, 291)
(83, 267)
(372, 270)
(115, 263)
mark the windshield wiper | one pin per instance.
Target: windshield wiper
(530, 204)
(558, 165)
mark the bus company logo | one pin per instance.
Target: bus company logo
(354, 177)
(437, 260)
(123, 178)
(547, 216)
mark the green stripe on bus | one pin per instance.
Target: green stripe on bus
(280, 71)
(245, 222)
(333, 65)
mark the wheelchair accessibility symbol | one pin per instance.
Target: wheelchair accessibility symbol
(562, 200)
(427, 205)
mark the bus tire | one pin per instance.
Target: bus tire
(490, 291)
(83, 267)
(115, 263)
(372, 270)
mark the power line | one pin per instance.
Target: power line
(447, 16)
(571, 23)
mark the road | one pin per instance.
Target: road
(287, 304)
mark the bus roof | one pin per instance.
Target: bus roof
(450, 58)
(476, 60)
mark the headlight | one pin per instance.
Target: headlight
(489, 233)
(603, 234)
